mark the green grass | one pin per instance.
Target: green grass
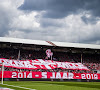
(48, 85)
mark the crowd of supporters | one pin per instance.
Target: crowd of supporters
(93, 66)
(92, 61)
(47, 70)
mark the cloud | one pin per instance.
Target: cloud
(53, 8)
(8, 10)
(52, 20)
(4, 19)
(68, 31)
(62, 8)
(25, 21)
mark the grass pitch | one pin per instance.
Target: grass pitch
(51, 85)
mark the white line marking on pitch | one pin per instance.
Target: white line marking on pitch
(19, 87)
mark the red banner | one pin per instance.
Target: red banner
(42, 64)
(50, 75)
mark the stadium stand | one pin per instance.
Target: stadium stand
(32, 49)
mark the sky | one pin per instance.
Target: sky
(75, 21)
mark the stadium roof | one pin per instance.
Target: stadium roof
(48, 43)
(24, 41)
